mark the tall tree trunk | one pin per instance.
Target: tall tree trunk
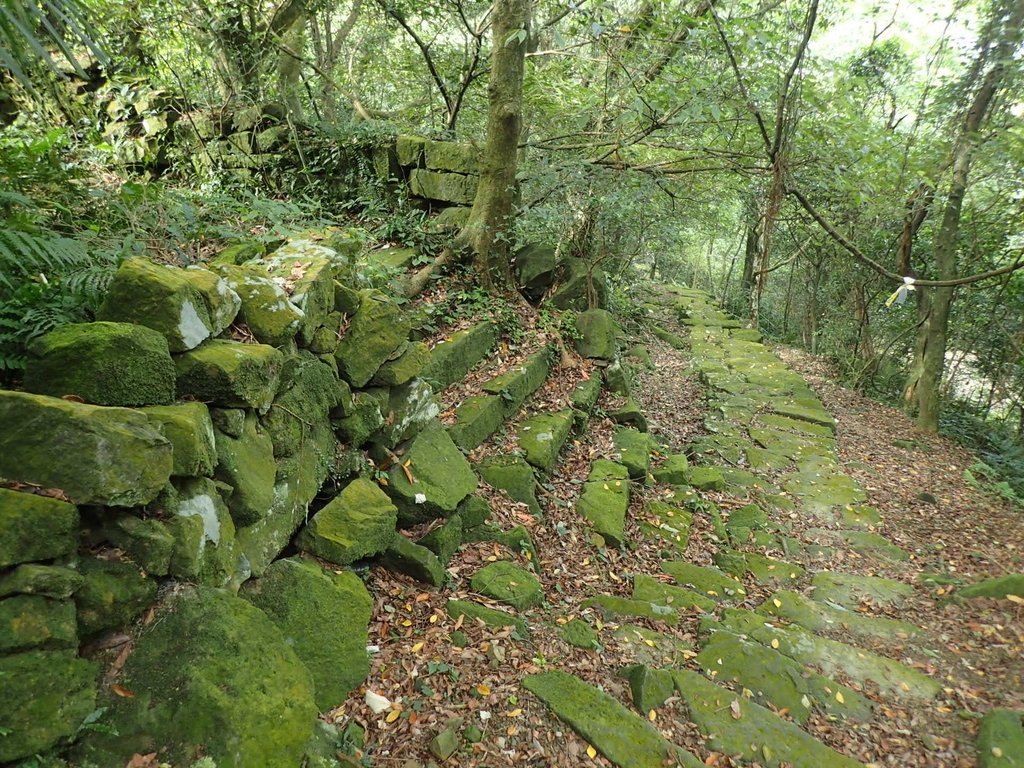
(1001, 37)
(486, 232)
(750, 260)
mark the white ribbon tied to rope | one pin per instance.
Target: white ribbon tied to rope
(900, 294)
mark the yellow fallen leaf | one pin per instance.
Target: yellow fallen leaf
(407, 623)
(1015, 599)
(839, 697)
(652, 715)
(433, 618)
(417, 647)
(775, 642)
(777, 603)
(591, 752)
(997, 752)
(483, 690)
(393, 715)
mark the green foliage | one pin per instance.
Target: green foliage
(1001, 468)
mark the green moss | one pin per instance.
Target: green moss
(707, 581)
(452, 156)
(999, 586)
(230, 374)
(35, 527)
(410, 149)
(54, 581)
(612, 607)
(514, 476)
(706, 478)
(444, 540)
(491, 617)
(508, 583)
(476, 419)
(222, 303)
(300, 413)
(266, 309)
(634, 450)
(452, 358)
(542, 436)
(30, 622)
(756, 734)
(864, 542)
(189, 428)
(618, 378)
(516, 385)
(375, 332)
(104, 364)
(852, 590)
(204, 533)
(409, 409)
(405, 367)
(596, 334)
(358, 522)
(441, 477)
(1001, 739)
(650, 590)
(605, 499)
(248, 697)
(764, 569)
(649, 687)
(816, 616)
(308, 271)
(47, 695)
(673, 470)
(112, 594)
(620, 735)
(578, 633)
(362, 422)
(813, 414)
(111, 456)
(247, 465)
(147, 542)
(161, 298)
(669, 523)
(405, 556)
(302, 598)
(578, 285)
(585, 396)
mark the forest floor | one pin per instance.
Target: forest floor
(439, 671)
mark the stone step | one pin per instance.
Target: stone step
(777, 680)
(669, 523)
(623, 737)
(737, 726)
(634, 449)
(815, 616)
(605, 499)
(514, 386)
(542, 436)
(651, 590)
(864, 542)
(831, 656)
(850, 590)
(476, 419)
(612, 607)
(764, 569)
(653, 648)
(1001, 739)
(454, 357)
(707, 581)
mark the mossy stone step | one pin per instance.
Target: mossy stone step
(476, 419)
(742, 522)
(673, 470)
(655, 649)
(795, 425)
(508, 583)
(832, 656)
(1001, 739)
(432, 479)
(1000, 586)
(851, 590)
(666, 522)
(822, 491)
(518, 384)
(414, 560)
(512, 475)
(859, 516)
(578, 633)
(605, 499)
(542, 436)
(491, 617)
(649, 686)
(778, 680)
(452, 358)
(764, 569)
(634, 449)
(585, 396)
(673, 340)
(707, 581)
(706, 478)
(815, 616)
(623, 737)
(804, 412)
(740, 727)
(612, 607)
(651, 590)
(865, 542)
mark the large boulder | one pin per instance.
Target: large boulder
(189, 428)
(324, 617)
(35, 528)
(306, 272)
(267, 309)
(535, 266)
(358, 522)
(230, 374)
(204, 548)
(246, 463)
(104, 364)
(112, 594)
(96, 455)
(377, 330)
(596, 328)
(236, 691)
(432, 477)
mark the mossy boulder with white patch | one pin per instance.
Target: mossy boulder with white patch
(542, 436)
(266, 308)
(161, 298)
(108, 456)
(236, 692)
(189, 428)
(358, 522)
(35, 527)
(411, 406)
(508, 583)
(302, 598)
(306, 272)
(47, 696)
(222, 302)
(112, 594)
(440, 477)
(204, 533)
(596, 329)
(103, 363)
(377, 330)
(246, 463)
(230, 374)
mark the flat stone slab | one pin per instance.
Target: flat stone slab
(623, 737)
(737, 726)
(1001, 739)
(358, 522)
(432, 478)
(634, 449)
(707, 581)
(669, 523)
(833, 657)
(864, 542)
(815, 616)
(452, 358)
(655, 649)
(651, 590)
(764, 569)
(778, 680)
(612, 607)
(850, 590)
(518, 384)
(605, 499)
(491, 617)
(508, 583)
(542, 436)
(999, 587)
(476, 419)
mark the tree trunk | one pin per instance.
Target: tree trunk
(486, 232)
(1001, 38)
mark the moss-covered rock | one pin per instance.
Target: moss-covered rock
(673, 470)
(542, 436)
(452, 358)
(222, 303)
(203, 531)
(362, 422)
(445, 187)
(764, 569)
(508, 583)
(596, 334)
(630, 414)
(490, 617)
(612, 607)
(266, 308)
(377, 330)
(755, 734)
(444, 540)
(110, 456)
(476, 419)
(516, 385)
(999, 586)
(410, 149)
(440, 477)
(248, 697)
(31, 622)
(815, 616)
(655, 649)
(706, 478)
(247, 464)
(189, 428)
(357, 523)
(620, 735)
(403, 368)
(535, 265)
(103, 363)
(161, 298)
(112, 594)
(35, 527)
(650, 687)
(852, 590)
(230, 374)
(634, 449)
(605, 499)
(1001, 739)
(56, 581)
(405, 556)
(705, 580)
(147, 542)
(301, 410)
(579, 286)
(47, 696)
(304, 600)
(514, 476)
(650, 590)
(306, 270)
(410, 407)
(578, 633)
(452, 156)
(585, 396)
